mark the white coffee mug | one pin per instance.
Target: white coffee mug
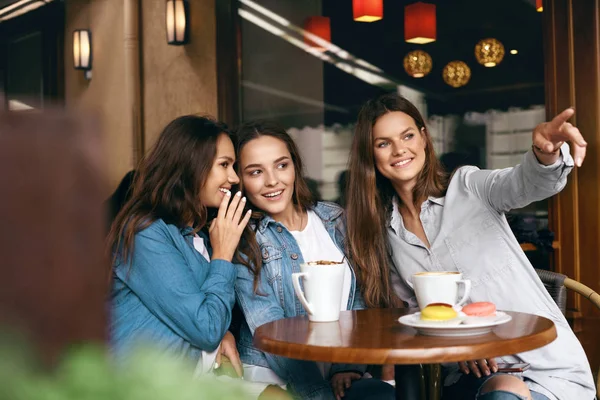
(323, 285)
(440, 287)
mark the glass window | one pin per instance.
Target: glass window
(310, 66)
(24, 83)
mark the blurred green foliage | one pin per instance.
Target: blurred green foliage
(87, 373)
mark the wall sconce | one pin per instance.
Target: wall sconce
(176, 21)
(82, 51)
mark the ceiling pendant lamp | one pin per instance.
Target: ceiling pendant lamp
(419, 23)
(539, 5)
(417, 63)
(489, 52)
(367, 10)
(456, 74)
(319, 26)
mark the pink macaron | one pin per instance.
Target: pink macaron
(480, 309)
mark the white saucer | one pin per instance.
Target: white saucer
(456, 327)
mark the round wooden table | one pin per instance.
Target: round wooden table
(375, 336)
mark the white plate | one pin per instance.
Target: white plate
(456, 327)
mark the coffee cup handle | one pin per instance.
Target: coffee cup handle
(466, 293)
(296, 281)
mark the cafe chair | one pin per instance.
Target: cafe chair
(557, 285)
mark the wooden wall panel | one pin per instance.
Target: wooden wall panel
(560, 94)
(572, 61)
(572, 79)
(228, 62)
(586, 39)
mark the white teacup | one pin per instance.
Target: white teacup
(440, 287)
(323, 286)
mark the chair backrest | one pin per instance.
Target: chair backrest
(555, 285)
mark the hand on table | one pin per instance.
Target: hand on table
(479, 368)
(342, 381)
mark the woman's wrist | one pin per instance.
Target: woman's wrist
(544, 157)
(221, 256)
(556, 149)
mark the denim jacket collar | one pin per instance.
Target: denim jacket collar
(327, 212)
(186, 231)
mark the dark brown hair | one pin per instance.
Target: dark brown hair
(302, 197)
(370, 197)
(168, 181)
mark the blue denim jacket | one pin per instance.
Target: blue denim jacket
(169, 296)
(282, 257)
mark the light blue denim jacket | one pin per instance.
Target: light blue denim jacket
(281, 257)
(169, 296)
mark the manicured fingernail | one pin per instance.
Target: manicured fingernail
(217, 365)
(238, 194)
(494, 369)
(228, 193)
(487, 373)
(249, 211)
(243, 199)
(578, 161)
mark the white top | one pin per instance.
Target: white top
(201, 247)
(207, 359)
(316, 244)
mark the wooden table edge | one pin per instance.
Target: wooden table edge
(359, 355)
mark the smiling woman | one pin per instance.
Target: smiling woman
(290, 229)
(399, 153)
(401, 208)
(172, 274)
(221, 176)
(271, 169)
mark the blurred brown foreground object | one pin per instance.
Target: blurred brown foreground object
(53, 277)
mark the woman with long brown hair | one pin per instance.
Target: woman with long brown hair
(172, 271)
(291, 228)
(427, 222)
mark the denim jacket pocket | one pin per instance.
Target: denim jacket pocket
(479, 250)
(271, 257)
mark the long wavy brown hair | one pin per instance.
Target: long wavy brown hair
(167, 184)
(370, 196)
(302, 197)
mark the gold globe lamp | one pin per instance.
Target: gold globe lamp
(489, 52)
(417, 63)
(456, 73)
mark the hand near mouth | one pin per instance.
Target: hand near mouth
(225, 230)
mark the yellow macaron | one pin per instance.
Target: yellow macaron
(438, 312)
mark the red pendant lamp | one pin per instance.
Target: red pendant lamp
(319, 26)
(419, 23)
(367, 10)
(539, 5)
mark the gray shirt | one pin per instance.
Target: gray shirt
(468, 232)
